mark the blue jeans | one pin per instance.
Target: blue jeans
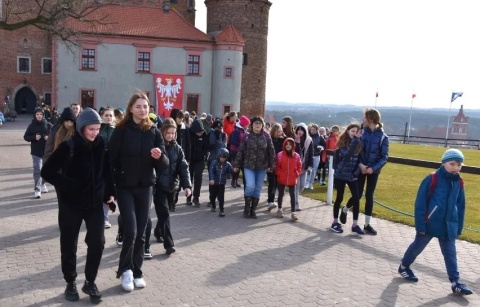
(301, 180)
(254, 181)
(316, 163)
(37, 167)
(449, 252)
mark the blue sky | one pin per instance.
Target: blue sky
(342, 51)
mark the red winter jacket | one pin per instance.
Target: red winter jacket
(331, 143)
(288, 168)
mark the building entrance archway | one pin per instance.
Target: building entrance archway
(25, 101)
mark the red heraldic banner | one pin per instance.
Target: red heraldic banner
(169, 93)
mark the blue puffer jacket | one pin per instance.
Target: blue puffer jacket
(374, 149)
(348, 169)
(218, 172)
(446, 211)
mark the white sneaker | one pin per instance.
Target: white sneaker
(44, 188)
(297, 207)
(294, 216)
(108, 225)
(271, 206)
(127, 280)
(37, 195)
(280, 212)
(139, 283)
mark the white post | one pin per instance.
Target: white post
(448, 124)
(410, 122)
(330, 181)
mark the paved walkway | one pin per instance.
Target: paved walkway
(228, 261)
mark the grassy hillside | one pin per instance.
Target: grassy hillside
(398, 185)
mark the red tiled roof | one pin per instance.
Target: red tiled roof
(139, 21)
(230, 35)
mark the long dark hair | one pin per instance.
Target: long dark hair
(344, 140)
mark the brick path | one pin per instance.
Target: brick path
(228, 261)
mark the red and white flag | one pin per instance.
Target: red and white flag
(414, 95)
(169, 93)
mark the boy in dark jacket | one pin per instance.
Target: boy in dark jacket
(439, 213)
(80, 171)
(199, 149)
(166, 186)
(37, 134)
(217, 174)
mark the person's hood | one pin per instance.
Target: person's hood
(303, 127)
(67, 114)
(221, 152)
(38, 110)
(285, 143)
(196, 126)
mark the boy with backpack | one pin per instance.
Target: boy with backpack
(439, 213)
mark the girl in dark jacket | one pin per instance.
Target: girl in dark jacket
(136, 149)
(106, 130)
(304, 148)
(80, 171)
(168, 183)
(276, 133)
(374, 156)
(61, 131)
(349, 147)
(37, 134)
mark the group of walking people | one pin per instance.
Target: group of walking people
(94, 165)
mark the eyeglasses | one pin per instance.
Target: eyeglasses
(258, 123)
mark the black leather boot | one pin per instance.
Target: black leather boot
(248, 204)
(253, 214)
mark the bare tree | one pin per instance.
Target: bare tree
(49, 15)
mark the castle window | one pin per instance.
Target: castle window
(192, 102)
(193, 65)
(87, 98)
(143, 62)
(227, 108)
(88, 59)
(23, 64)
(245, 59)
(46, 65)
(48, 98)
(229, 72)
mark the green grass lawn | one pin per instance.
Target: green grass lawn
(398, 184)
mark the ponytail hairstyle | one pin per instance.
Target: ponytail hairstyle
(374, 117)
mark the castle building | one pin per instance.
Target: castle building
(150, 45)
(458, 127)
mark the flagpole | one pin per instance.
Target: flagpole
(410, 120)
(448, 124)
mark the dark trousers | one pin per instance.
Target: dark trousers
(322, 170)
(196, 171)
(371, 180)
(354, 200)
(217, 191)
(162, 200)
(281, 192)
(272, 186)
(70, 220)
(134, 205)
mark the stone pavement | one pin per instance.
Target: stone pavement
(228, 261)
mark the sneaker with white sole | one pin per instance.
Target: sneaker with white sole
(461, 289)
(107, 225)
(139, 283)
(127, 280)
(280, 212)
(297, 207)
(37, 195)
(294, 216)
(44, 188)
(407, 273)
(336, 227)
(271, 206)
(147, 254)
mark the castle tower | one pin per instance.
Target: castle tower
(186, 8)
(250, 17)
(458, 129)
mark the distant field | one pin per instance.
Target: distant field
(398, 185)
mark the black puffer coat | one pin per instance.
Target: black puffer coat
(37, 147)
(84, 179)
(132, 162)
(168, 179)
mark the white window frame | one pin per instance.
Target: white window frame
(43, 71)
(29, 64)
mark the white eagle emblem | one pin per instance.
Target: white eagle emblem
(168, 92)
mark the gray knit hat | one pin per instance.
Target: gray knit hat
(88, 117)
